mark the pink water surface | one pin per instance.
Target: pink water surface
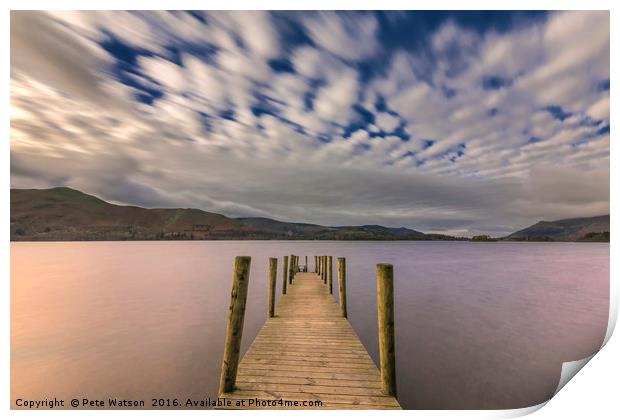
(479, 325)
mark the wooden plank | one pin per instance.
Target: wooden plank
(309, 352)
(300, 396)
(264, 373)
(336, 351)
(310, 389)
(307, 380)
(292, 365)
(314, 356)
(301, 362)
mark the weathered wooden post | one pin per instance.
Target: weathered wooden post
(284, 274)
(342, 285)
(325, 269)
(234, 328)
(316, 265)
(330, 279)
(273, 272)
(291, 269)
(318, 259)
(306, 270)
(385, 315)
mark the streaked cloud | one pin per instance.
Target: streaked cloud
(333, 118)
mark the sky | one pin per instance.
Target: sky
(450, 122)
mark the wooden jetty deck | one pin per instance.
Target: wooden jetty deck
(306, 353)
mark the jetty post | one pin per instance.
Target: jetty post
(306, 270)
(234, 328)
(330, 278)
(385, 315)
(291, 269)
(324, 269)
(342, 285)
(284, 274)
(316, 265)
(273, 272)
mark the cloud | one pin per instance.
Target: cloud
(387, 122)
(600, 109)
(350, 37)
(47, 52)
(255, 29)
(333, 102)
(478, 131)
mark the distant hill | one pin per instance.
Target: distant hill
(311, 231)
(65, 214)
(68, 214)
(583, 229)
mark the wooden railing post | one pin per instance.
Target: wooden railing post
(291, 269)
(234, 328)
(342, 285)
(284, 274)
(330, 279)
(316, 265)
(385, 309)
(273, 272)
(306, 270)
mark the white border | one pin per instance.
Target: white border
(594, 394)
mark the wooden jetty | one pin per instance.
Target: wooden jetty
(307, 355)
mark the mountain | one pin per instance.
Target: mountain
(310, 231)
(583, 229)
(65, 214)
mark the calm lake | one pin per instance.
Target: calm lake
(478, 325)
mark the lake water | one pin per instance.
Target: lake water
(478, 325)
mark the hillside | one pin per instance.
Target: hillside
(65, 214)
(311, 231)
(583, 229)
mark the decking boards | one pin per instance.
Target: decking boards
(309, 352)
